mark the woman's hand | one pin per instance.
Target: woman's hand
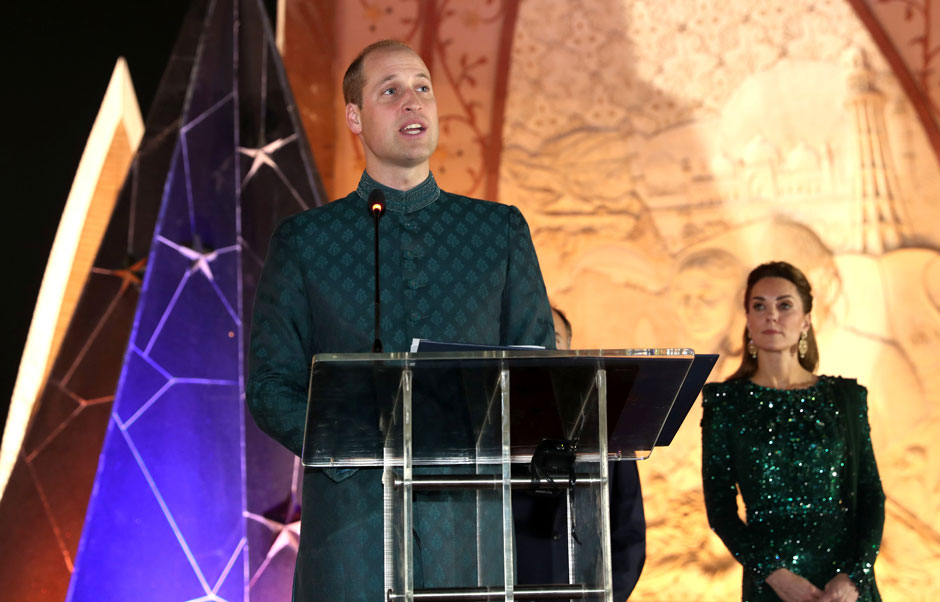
(840, 589)
(793, 588)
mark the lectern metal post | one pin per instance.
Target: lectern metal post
(406, 491)
(508, 546)
(604, 494)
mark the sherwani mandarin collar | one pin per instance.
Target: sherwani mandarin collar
(398, 201)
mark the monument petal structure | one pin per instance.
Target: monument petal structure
(189, 500)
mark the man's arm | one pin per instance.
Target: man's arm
(526, 314)
(280, 349)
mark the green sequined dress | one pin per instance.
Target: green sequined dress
(804, 464)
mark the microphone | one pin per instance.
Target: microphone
(377, 209)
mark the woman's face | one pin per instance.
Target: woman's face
(775, 316)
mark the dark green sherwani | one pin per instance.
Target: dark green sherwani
(452, 269)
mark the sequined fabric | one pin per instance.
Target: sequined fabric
(804, 464)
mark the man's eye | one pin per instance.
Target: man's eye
(424, 88)
(388, 91)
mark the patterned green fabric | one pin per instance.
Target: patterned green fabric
(804, 464)
(452, 269)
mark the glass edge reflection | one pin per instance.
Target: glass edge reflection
(511, 354)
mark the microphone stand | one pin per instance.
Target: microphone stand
(377, 208)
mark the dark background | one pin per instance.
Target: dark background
(58, 61)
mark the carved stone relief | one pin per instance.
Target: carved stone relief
(659, 151)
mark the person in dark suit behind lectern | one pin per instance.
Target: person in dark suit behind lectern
(452, 269)
(541, 541)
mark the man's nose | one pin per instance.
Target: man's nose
(412, 102)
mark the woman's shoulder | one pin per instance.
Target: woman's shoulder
(728, 390)
(842, 383)
(726, 385)
(849, 388)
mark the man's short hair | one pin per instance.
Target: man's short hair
(564, 320)
(353, 81)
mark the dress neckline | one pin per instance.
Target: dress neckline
(810, 387)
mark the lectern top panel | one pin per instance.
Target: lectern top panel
(457, 400)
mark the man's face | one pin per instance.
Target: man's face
(397, 122)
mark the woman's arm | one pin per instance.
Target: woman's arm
(720, 487)
(870, 499)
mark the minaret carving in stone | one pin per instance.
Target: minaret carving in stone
(877, 222)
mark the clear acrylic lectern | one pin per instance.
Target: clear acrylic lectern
(465, 418)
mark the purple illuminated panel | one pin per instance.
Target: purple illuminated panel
(191, 501)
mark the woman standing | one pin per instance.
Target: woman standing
(797, 446)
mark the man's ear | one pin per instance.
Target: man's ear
(352, 118)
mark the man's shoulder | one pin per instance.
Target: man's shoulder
(315, 215)
(453, 197)
(481, 206)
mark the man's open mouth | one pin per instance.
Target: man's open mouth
(412, 128)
